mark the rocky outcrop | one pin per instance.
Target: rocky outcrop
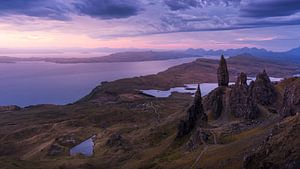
(117, 141)
(223, 76)
(9, 108)
(241, 102)
(56, 150)
(241, 99)
(214, 102)
(262, 89)
(291, 99)
(279, 150)
(215, 99)
(195, 116)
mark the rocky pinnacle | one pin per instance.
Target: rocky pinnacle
(223, 76)
(195, 116)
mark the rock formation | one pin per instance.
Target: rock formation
(214, 102)
(241, 103)
(215, 99)
(195, 116)
(279, 150)
(223, 76)
(291, 99)
(263, 90)
(119, 142)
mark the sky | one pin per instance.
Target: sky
(149, 24)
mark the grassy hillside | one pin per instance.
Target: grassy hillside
(41, 136)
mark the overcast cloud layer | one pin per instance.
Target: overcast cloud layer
(115, 19)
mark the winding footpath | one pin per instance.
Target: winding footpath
(155, 111)
(204, 149)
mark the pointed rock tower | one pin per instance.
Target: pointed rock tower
(199, 107)
(195, 116)
(263, 90)
(223, 76)
(241, 103)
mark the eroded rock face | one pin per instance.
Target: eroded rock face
(214, 102)
(241, 80)
(241, 102)
(279, 150)
(237, 99)
(195, 116)
(262, 90)
(291, 99)
(223, 76)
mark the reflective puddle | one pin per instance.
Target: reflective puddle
(85, 148)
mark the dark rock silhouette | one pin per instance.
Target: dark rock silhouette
(291, 99)
(223, 76)
(241, 103)
(199, 106)
(195, 116)
(262, 89)
(241, 79)
(214, 102)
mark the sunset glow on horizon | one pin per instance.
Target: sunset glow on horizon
(147, 24)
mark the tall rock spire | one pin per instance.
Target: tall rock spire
(198, 98)
(195, 116)
(223, 76)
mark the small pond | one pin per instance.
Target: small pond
(85, 148)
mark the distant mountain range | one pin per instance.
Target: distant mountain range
(290, 55)
(116, 57)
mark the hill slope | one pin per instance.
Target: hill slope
(136, 131)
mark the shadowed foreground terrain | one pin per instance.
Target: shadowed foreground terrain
(234, 126)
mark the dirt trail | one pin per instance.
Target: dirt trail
(201, 153)
(155, 111)
(215, 137)
(199, 157)
(204, 149)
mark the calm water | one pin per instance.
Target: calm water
(188, 88)
(85, 148)
(191, 88)
(29, 83)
